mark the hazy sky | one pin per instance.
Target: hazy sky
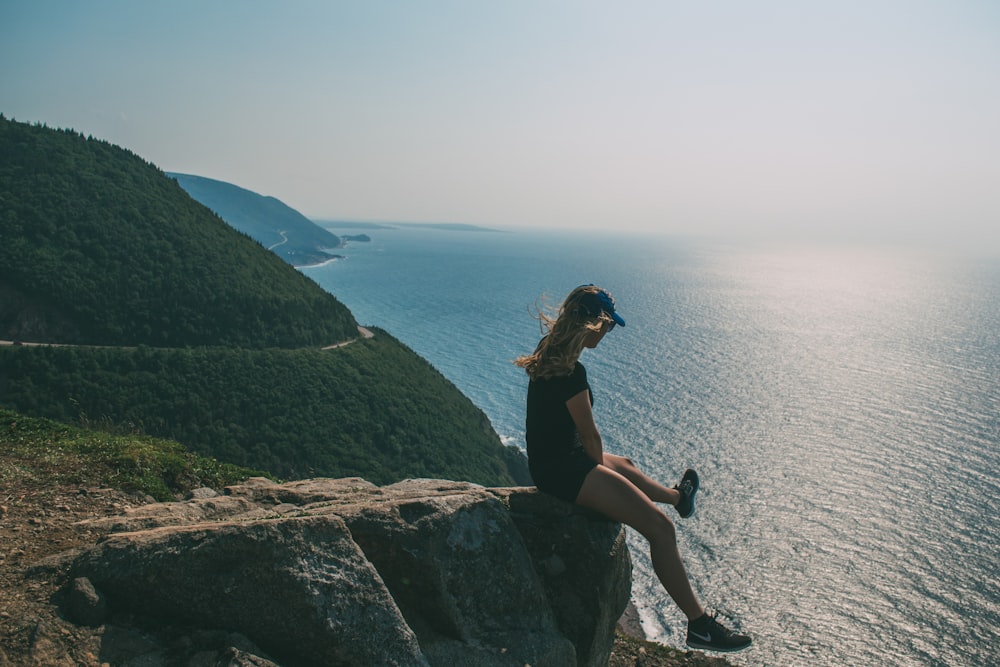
(750, 116)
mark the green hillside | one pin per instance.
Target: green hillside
(286, 232)
(372, 409)
(98, 246)
(181, 327)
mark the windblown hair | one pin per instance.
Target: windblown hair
(564, 337)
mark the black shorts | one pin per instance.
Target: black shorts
(562, 477)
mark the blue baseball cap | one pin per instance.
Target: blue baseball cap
(593, 304)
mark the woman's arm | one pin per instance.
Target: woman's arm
(583, 418)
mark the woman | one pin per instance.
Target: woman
(566, 456)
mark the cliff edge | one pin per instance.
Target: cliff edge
(342, 572)
(323, 571)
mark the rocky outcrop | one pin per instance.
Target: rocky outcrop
(341, 572)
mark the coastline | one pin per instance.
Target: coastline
(319, 264)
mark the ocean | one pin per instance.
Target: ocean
(840, 403)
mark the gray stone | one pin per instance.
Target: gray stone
(85, 604)
(455, 563)
(197, 510)
(303, 492)
(589, 593)
(298, 587)
(234, 657)
(342, 572)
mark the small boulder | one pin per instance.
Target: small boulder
(299, 587)
(84, 604)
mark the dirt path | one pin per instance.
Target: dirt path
(364, 333)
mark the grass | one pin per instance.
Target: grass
(48, 452)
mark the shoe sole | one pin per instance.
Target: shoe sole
(706, 647)
(693, 477)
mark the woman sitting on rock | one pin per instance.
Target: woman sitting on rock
(567, 459)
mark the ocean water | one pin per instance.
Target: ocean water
(841, 404)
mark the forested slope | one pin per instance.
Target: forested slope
(179, 326)
(99, 246)
(372, 409)
(286, 232)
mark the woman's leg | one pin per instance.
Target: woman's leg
(613, 495)
(653, 489)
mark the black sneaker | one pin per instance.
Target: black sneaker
(708, 634)
(688, 487)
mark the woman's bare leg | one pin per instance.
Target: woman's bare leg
(615, 496)
(653, 489)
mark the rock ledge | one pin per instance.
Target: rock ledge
(342, 572)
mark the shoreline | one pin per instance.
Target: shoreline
(317, 265)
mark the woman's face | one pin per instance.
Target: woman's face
(595, 337)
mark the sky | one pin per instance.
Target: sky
(794, 118)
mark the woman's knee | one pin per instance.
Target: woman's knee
(619, 463)
(652, 523)
(661, 530)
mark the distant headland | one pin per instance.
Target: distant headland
(445, 226)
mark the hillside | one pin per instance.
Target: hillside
(276, 226)
(372, 408)
(181, 327)
(98, 246)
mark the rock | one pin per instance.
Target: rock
(454, 562)
(342, 572)
(234, 657)
(299, 587)
(584, 564)
(85, 605)
(202, 493)
(130, 646)
(206, 659)
(303, 492)
(198, 510)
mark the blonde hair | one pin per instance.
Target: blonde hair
(563, 337)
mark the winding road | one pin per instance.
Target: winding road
(364, 333)
(283, 241)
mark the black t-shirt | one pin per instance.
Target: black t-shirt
(549, 429)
